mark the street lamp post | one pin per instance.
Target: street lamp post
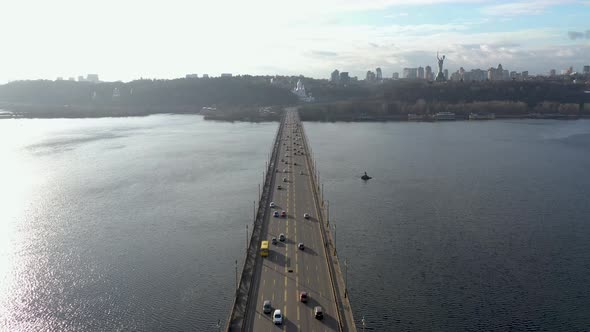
(328, 213)
(247, 237)
(334, 239)
(236, 274)
(345, 277)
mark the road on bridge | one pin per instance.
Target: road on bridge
(288, 271)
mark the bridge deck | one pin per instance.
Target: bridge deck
(287, 270)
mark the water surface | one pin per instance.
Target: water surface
(124, 223)
(466, 226)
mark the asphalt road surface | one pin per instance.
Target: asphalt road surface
(288, 271)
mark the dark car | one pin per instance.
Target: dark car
(318, 312)
(303, 297)
(266, 307)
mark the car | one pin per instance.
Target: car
(279, 187)
(266, 307)
(275, 214)
(303, 297)
(272, 204)
(277, 317)
(274, 240)
(284, 179)
(295, 164)
(283, 214)
(284, 170)
(318, 313)
(306, 215)
(282, 237)
(301, 246)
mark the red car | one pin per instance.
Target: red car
(283, 214)
(303, 297)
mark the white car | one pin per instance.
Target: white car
(272, 204)
(306, 215)
(277, 317)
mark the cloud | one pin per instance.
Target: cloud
(573, 35)
(522, 7)
(397, 15)
(323, 54)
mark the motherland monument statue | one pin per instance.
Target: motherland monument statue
(440, 77)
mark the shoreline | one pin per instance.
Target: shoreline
(228, 118)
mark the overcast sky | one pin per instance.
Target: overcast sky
(129, 39)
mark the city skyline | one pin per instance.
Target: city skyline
(126, 41)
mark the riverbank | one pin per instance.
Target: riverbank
(38, 111)
(379, 110)
(330, 112)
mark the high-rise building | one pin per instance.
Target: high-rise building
(191, 76)
(81, 78)
(335, 76)
(379, 74)
(92, 78)
(370, 76)
(344, 78)
(505, 75)
(524, 74)
(428, 73)
(205, 75)
(586, 70)
(410, 73)
(462, 73)
(513, 75)
(475, 75)
(421, 72)
(59, 78)
(226, 75)
(71, 79)
(491, 73)
(552, 73)
(446, 72)
(395, 76)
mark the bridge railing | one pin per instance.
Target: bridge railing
(238, 315)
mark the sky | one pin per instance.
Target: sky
(130, 39)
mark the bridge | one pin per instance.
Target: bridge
(291, 184)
